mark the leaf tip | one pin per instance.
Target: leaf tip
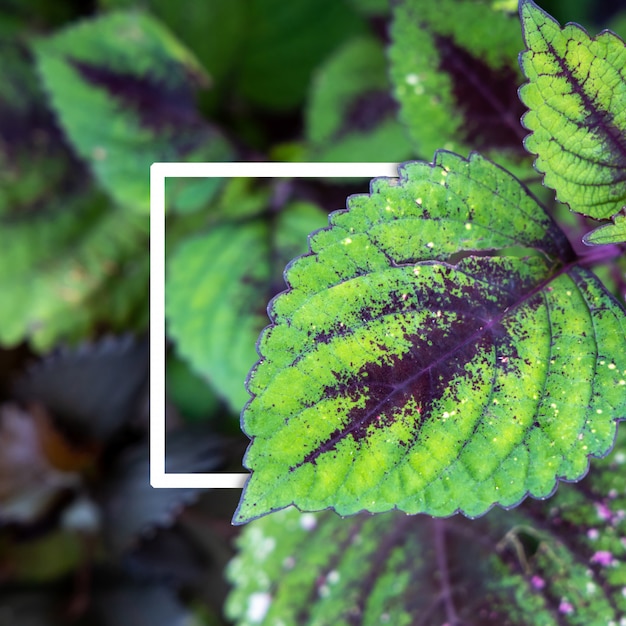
(241, 515)
(607, 234)
(526, 8)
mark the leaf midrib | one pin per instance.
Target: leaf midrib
(332, 442)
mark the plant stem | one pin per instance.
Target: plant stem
(601, 254)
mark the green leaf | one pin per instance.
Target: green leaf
(190, 195)
(191, 395)
(64, 246)
(438, 350)
(216, 287)
(241, 198)
(284, 43)
(575, 94)
(55, 294)
(608, 233)
(34, 163)
(224, 20)
(456, 79)
(122, 87)
(350, 111)
(551, 564)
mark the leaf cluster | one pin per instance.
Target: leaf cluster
(457, 252)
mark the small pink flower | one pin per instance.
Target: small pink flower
(602, 557)
(537, 582)
(566, 608)
(593, 534)
(604, 513)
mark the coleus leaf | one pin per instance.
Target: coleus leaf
(614, 232)
(576, 96)
(217, 53)
(557, 564)
(456, 79)
(439, 350)
(34, 163)
(43, 279)
(213, 288)
(92, 390)
(46, 209)
(123, 89)
(350, 110)
(131, 508)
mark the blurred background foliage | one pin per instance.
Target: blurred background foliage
(91, 93)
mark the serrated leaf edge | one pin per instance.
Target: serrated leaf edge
(522, 5)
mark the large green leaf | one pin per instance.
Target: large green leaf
(216, 287)
(550, 564)
(122, 87)
(455, 74)
(576, 95)
(438, 350)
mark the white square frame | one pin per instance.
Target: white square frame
(159, 478)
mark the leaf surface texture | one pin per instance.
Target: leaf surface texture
(559, 563)
(576, 96)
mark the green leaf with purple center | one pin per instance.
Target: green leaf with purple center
(440, 349)
(123, 88)
(557, 563)
(456, 79)
(576, 96)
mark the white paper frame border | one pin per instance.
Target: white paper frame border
(158, 173)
